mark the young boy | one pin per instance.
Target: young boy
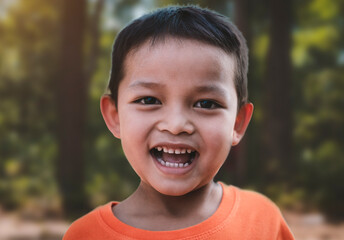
(178, 103)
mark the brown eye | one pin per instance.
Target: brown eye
(148, 101)
(208, 104)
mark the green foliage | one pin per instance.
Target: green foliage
(320, 134)
(27, 144)
(319, 119)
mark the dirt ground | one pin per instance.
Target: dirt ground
(313, 227)
(304, 227)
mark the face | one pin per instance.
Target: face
(177, 114)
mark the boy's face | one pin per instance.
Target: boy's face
(177, 114)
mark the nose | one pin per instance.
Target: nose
(176, 121)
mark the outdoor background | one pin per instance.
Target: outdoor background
(59, 161)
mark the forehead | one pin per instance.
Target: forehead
(176, 53)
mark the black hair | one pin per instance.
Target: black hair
(184, 22)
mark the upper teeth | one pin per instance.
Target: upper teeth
(174, 151)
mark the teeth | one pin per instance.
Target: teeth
(174, 151)
(174, 165)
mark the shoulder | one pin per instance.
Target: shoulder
(256, 215)
(253, 206)
(265, 212)
(251, 200)
(86, 226)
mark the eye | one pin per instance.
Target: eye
(208, 104)
(148, 101)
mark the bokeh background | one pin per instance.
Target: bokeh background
(59, 161)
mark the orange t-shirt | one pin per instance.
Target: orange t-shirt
(241, 215)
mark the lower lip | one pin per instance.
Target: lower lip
(173, 170)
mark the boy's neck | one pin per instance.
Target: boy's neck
(148, 209)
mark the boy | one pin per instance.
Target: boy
(178, 103)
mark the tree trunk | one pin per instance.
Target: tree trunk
(277, 127)
(238, 156)
(71, 106)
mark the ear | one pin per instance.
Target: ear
(241, 122)
(110, 115)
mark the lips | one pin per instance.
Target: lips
(173, 157)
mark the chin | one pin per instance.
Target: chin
(174, 189)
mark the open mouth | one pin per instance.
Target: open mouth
(174, 158)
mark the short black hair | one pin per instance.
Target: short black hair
(184, 22)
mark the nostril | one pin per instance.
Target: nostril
(176, 126)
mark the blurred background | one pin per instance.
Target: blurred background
(58, 160)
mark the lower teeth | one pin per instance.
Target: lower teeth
(174, 165)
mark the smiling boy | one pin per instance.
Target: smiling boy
(178, 103)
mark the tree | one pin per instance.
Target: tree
(76, 70)
(277, 123)
(71, 93)
(238, 156)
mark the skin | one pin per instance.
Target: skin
(178, 94)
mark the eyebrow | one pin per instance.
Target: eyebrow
(146, 84)
(199, 89)
(211, 89)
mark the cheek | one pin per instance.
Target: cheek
(130, 132)
(218, 133)
(132, 123)
(134, 130)
(217, 139)
(218, 145)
